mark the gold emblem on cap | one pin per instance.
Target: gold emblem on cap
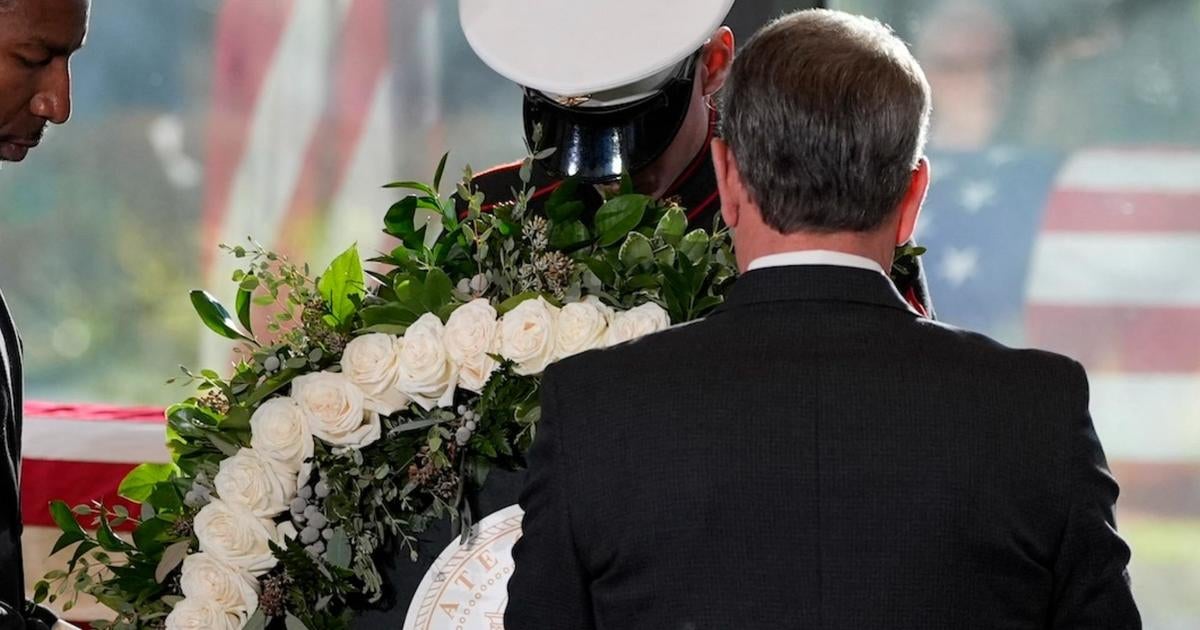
(573, 101)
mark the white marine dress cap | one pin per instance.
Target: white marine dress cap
(579, 47)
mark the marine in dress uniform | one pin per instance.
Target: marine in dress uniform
(612, 87)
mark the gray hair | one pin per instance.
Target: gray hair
(826, 114)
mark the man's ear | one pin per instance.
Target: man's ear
(716, 60)
(728, 182)
(914, 198)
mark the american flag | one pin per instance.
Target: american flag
(1096, 255)
(308, 107)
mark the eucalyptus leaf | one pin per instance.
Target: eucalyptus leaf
(338, 551)
(292, 622)
(257, 621)
(172, 557)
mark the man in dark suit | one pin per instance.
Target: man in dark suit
(37, 39)
(815, 454)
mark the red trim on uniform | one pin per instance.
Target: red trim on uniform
(501, 167)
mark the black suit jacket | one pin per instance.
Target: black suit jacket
(814, 455)
(12, 590)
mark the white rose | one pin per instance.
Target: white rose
(236, 537)
(527, 335)
(336, 409)
(470, 336)
(470, 331)
(206, 579)
(197, 614)
(426, 373)
(255, 482)
(373, 363)
(637, 322)
(582, 326)
(279, 430)
(474, 375)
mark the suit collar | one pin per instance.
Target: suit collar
(815, 283)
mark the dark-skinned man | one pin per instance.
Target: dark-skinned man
(37, 39)
(614, 87)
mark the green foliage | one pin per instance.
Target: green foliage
(632, 251)
(142, 480)
(343, 286)
(216, 317)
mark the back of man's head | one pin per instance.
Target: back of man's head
(826, 114)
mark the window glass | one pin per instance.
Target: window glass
(1065, 214)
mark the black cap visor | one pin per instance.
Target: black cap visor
(598, 144)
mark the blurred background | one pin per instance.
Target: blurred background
(1064, 214)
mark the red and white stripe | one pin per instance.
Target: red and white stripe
(1115, 283)
(303, 132)
(78, 454)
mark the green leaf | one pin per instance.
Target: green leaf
(566, 237)
(140, 481)
(257, 621)
(619, 216)
(292, 622)
(61, 513)
(643, 281)
(417, 186)
(603, 270)
(672, 226)
(338, 551)
(437, 175)
(244, 299)
(82, 549)
(666, 256)
(438, 290)
(343, 284)
(172, 557)
(515, 301)
(562, 205)
(151, 534)
(626, 183)
(40, 592)
(695, 245)
(108, 539)
(66, 540)
(227, 448)
(400, 222)
(636, 251)
(385, 329)
(215, 316)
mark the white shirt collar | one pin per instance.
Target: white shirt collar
(815, 257)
